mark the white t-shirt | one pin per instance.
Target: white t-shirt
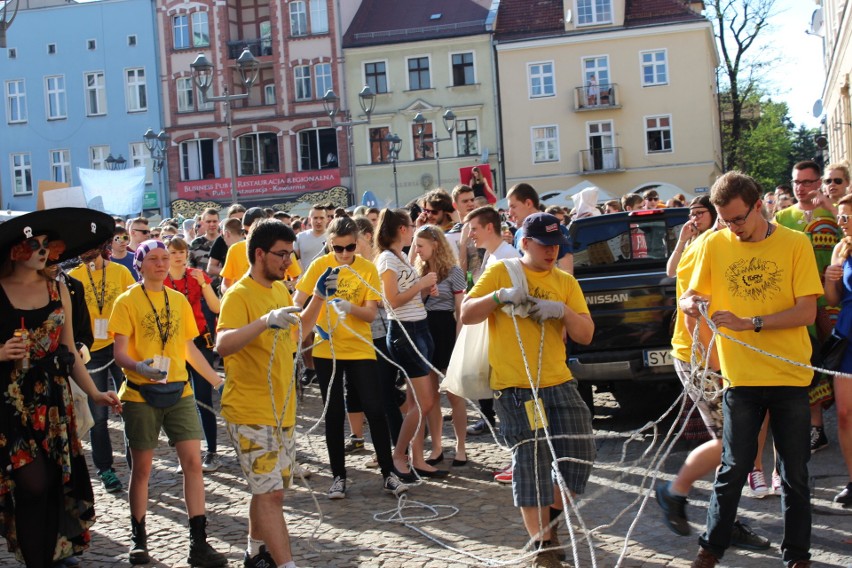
(309, 246)
(504, 251)
(406, 277)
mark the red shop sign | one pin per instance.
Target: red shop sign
(268, 185)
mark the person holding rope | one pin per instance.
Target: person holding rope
(259, 400)
(537, 400)
(760, 283)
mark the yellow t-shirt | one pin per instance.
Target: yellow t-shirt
(246, 398)
(753, 279)
(681, 338)
(237, 263)
(504, 352)
(352, 289)
(132, 316)
(118, 279)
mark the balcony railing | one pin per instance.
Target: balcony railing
(592, 97)
(258, 47)
(599, 160)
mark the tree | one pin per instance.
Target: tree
(804, 147)
(766, 147)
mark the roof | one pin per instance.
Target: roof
(380, 22)
(526, 19)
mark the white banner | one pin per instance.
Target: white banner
(117, 192)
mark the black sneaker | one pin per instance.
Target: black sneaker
(260, 560)
(818, 439)
(110, 481)
(481, 427)
(743, 537)
(844, 498)
(674, 508)
(354, 444)
(394, 486)
(308, 377)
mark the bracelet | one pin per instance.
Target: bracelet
(495, 298)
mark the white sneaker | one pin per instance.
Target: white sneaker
(337, 489)
(776, 483)
(372, 462)
(300, 471)
(757, 484)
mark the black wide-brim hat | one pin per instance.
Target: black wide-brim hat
(79, 228)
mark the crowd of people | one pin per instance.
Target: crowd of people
(368, 305)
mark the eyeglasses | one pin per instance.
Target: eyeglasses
(803, 181)
(348, 248)
(697, 212)
(738, 221)
(835, 181)
(784, 198)
(843, 218)
(143, 231)
(282, 254)
(120, 238)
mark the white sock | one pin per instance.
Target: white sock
(253, 548)
(290, 564)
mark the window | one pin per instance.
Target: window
(96, 104)
(91, 44)
(323, 78)
(541, 79)
(197, 160)
(13, 53)
(185, 97)
(463, 69)
(180, 31)
(269, 94)
(57, 104)
(596, 81)
(16, 101)
(266, 38)
(545, 144)
(203, 104)
(60, 165)
(658, 133)
(258, 154)
(22, 174)
(200, 30)
(51, 49)
(140, 158)
(376, 76)
(317, 149)
(654, 68)
(298, 19)
(136, 89)
(379, 148)
(98, 156)
(131, 40)
(319, 17)
(467, 137)
(418, 74)
(302, 75)
(594, 12)
(425, 151)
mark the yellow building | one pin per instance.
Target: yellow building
(624, 97)
(832, 20)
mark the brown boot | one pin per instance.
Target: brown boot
(704, 559)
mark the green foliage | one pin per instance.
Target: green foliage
(765, 148)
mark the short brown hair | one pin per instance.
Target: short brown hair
(440, 199)
(141, 220)
(523, 192)
(735, 184)
(615, 204)
(233, 226)
(235, 208)
(459, 189)
(631, 200)
(486, 216)
(808, 165)
(211, 211)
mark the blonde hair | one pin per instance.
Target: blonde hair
(842, 166)
(442, 259)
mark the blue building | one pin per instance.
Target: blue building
(80, 83)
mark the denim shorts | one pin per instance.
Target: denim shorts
(413, 354)
(570, 428)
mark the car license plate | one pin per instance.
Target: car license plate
(658, 358)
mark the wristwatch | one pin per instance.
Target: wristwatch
(757, 321)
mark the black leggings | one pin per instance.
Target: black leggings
(362, 374)
(38, 499)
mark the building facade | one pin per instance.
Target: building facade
(618, 93)
(79, 84)
(832, 21)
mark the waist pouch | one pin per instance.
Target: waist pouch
(160, 395)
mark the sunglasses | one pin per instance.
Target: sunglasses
(432, 211)
(143, 231)
(348, 248)
(281, 254)
(120, 238)
(652, 199)
(784, 198)
(835, 181)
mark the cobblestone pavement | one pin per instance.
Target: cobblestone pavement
(476, 525)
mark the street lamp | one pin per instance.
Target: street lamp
(156, 145)
(115, 163)
(331, 105)
(394, 146)
(202, 74)
(449, 120)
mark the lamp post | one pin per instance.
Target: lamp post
(114, 164)
(331, 105)
(394, 146)
(156, 145)
(202, 73)
(449, 120)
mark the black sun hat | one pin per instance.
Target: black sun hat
(80, 229)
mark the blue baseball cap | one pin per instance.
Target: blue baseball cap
(544, 229)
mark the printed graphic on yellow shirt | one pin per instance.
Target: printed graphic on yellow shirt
(755, 279)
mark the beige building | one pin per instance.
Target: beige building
(424, 58)
(832, 20)
(622, 97)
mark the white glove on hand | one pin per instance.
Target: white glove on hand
(542, 310)
(145, 369)
(342, 307)
(514, 296)
(282, 318)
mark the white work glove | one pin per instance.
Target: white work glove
(514, 296)
(282, 318)
(326, 284)
(542, 310)
(145, 369)
(342, 307)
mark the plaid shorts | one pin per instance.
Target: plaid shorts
(568, 416)
(710, 410)
(266, 455)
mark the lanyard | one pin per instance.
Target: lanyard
(185, 283)
(164, 332)
(102, 299)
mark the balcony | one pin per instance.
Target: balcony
(257, 47)
(601, 160)
(598, 97)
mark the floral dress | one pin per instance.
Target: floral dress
(37, 411)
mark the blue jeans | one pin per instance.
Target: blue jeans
(744, 409)
(204, 394)
(101, 443)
